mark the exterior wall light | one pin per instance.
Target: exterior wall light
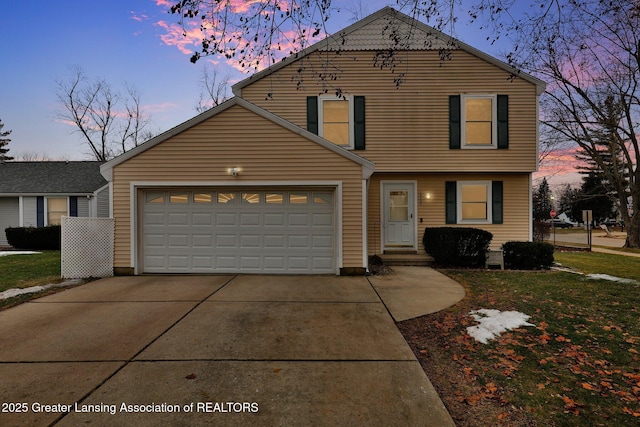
(234, 171)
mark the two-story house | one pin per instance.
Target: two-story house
(350, 148)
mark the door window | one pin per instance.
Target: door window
(398, 205)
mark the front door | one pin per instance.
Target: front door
(398, 215)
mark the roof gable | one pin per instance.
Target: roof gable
(50, 177)
(384, 30)
(107, 168)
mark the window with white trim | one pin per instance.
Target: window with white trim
(479, 121)
(335, 117)
(56, 209)
(474, 202)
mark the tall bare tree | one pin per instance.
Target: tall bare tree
(109, 122)
(589, 52)
(214, 89)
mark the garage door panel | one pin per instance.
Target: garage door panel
(298, 242)
(203, 241)
(178, 261)
(274, 241)
(274, 263)
(202, 219)
(323, 242)
(226, 219)
(226, 262)
(274, 219)
(226, 241)
(178, 219)
(299, 263)
(250, 263)
(179, 240)
(155, 240)
(154, 219)
(202, 262)
(265, 231)
(322, 220)
(250, 241)
(252, 219)
(298, 219)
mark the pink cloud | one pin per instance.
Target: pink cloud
(138, 18)
(165, 3)
(160, 108)
(187, 36)
(186, 40)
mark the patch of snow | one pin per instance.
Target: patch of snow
(612, 278)
(495, 322)
(5, 253)
(9, 293)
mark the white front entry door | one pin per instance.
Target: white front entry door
(398, 215)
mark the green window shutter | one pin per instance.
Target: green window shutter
(454, 122)
(503, 121)
(358, 122)
(451, 209)
(496, 202)
(312, 114)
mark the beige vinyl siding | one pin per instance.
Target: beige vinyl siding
(263, 150)
(432, 211)
(407, 126)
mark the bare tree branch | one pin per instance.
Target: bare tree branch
(108, 123)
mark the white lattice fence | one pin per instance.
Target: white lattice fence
(87, 247)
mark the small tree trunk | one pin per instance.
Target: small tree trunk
(633, 232)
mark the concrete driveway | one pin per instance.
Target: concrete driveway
(212, 350)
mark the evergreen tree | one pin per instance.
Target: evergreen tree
(542, 205)
(4, 141)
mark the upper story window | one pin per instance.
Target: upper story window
(479, 121)
(340, 120)
(479, 116)
(336, 120)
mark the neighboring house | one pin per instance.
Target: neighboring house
(37, 194)
(287, 177)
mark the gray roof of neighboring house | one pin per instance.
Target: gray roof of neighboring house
(50, 177)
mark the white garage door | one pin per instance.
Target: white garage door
(243, 231)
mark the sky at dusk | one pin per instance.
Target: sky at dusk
(131, 42)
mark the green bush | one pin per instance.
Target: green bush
(457, 246)
(527, 255)
(40, 238)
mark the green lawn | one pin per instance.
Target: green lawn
(23, 271)
(579, 364)
(594, 263)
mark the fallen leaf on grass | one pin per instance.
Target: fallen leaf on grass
(571, 406)
(630, 412)
(588, 386)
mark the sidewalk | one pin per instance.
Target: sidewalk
(614, 252)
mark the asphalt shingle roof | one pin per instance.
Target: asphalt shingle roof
(50, 177)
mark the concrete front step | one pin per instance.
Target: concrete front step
(407, 259)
